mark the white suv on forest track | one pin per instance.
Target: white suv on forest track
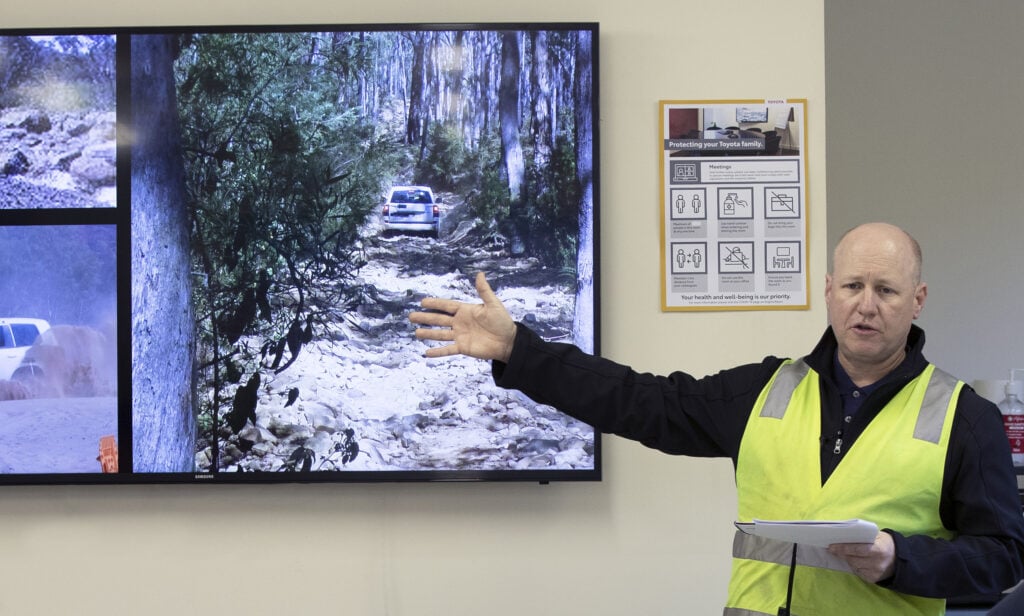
(412, 208)
(16, 336)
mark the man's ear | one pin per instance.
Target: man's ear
(919, 296)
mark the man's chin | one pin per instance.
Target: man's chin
(862, 354)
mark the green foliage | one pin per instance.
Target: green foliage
(485, 184)
(551, 217)
(547, 220)
(280, 179)
(445, 157)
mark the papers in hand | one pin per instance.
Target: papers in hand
(821, 533)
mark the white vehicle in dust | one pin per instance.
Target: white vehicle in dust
(17, 335)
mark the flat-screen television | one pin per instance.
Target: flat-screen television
(211, 238)
(751, 114)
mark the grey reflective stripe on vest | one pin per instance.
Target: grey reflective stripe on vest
(788, 377)
(930, 419)
(936, 401)
(735, 611)
(777, 552)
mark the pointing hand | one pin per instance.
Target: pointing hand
(484, 331)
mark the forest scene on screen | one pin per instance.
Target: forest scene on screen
(320, 185)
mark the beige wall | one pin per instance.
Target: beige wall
(653, 538)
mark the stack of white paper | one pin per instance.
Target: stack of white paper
(821, 533)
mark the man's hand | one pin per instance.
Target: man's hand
(483, 331)
(871, 562)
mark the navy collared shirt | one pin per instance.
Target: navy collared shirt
(852, 396)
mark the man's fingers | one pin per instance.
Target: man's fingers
(435, 319)
(435, 334)
(439, 317)
(443, 351)
(870, 561)
(483, 289)
(847, 550)
(451, 306)
(440, 304)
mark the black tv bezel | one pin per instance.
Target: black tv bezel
(120, 216)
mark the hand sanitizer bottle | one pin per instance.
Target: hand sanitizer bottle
(1012, 409)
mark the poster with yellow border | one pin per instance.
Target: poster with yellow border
(734, 205)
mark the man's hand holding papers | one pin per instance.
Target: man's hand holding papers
(871, 554)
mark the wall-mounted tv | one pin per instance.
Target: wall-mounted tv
(211, 238)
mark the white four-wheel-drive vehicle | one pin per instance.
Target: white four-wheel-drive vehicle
(411, 208)
(16, 336)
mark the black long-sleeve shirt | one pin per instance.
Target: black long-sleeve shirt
(706, 417)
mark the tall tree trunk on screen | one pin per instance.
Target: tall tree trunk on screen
(365, 100)
(456, 74)
(583, 322)
(540, 80)
(163, 423)
(508, 114)
(417, 121)
(483, 62)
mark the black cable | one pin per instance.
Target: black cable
(784, 611)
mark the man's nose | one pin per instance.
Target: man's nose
(867, 302)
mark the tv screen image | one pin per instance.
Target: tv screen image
(284, 197)
(57, 121)
(58, 375)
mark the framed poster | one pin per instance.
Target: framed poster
(734, 205)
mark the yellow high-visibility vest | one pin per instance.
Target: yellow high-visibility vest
(891, 475)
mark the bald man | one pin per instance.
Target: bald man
(862, 427)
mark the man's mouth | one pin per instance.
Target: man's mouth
(863, 329)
